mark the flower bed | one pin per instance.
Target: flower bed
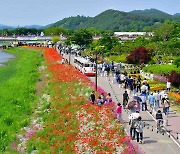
(159, 78)
(176, 96)
(72, 125)
(157, 87)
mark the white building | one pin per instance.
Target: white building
(131, 35)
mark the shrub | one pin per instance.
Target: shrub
(138, 56)
(174, 78)
(177, 62)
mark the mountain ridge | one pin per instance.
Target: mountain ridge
(120, 20)
(111, 20)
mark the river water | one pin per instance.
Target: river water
(4, 57)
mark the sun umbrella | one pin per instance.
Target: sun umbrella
(134, 116)
(138, 98)
(131, 104)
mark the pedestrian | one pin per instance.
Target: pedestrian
(63, 61)
(122, 78)
(117, 78)
(119, 111)
(138, 86)
(145, 81)
(158, 99)
(148, 89)
(108, 70)
(132, 124)
(144, 104)
(99, 101)
(155, 94)
(151, 102)
(92, 97)
(108, 98)
(138, 107)
(113, 70)
(139, 130)
(144, 88)
(103, 98)
(134, 86)
(168, 86)
(159, 118)
(166, 105)
(125, 98)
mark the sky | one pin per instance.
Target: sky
(44, 12)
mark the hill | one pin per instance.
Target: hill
(117, 20)
(177, 14)
(5, 26)
(34, 26)
(71, 22)
(152, 13)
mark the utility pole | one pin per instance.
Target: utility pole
(96, 72)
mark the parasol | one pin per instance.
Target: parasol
(137, 98)
(131, 104)
(134, 116)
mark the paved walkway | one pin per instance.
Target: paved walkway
(154, 143)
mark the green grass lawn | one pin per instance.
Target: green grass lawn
(118, 58)
(160, 69)
(18, 79)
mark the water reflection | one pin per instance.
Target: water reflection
(4, 57)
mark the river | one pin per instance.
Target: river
(4, 57)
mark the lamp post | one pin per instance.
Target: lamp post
(96, 72)
(99, 48)
(69, 55)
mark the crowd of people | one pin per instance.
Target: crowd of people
(143, 100)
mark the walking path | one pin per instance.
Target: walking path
(154, 143)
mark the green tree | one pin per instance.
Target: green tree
(177, 62)
(81, 37)
(164, 32)
(55, 39)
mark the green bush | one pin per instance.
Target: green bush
(177, 62)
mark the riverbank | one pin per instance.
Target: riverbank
(5, 57)
(18, 80)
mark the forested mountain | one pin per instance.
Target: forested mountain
(5, 26)
(117, 20)
(71, 22)
(177, 14)
(152, 13)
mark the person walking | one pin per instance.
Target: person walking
(158, 99)
(133, 124)
(138, 86)
(125, 99)
(139, 130)
(166, 105)
(151, 102)
(144, 104)
(92, 97)
(144, 88)
(159, 118)
(168, 86)
(119, 111)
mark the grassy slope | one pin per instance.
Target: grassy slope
(160, 69)
(18, 81)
